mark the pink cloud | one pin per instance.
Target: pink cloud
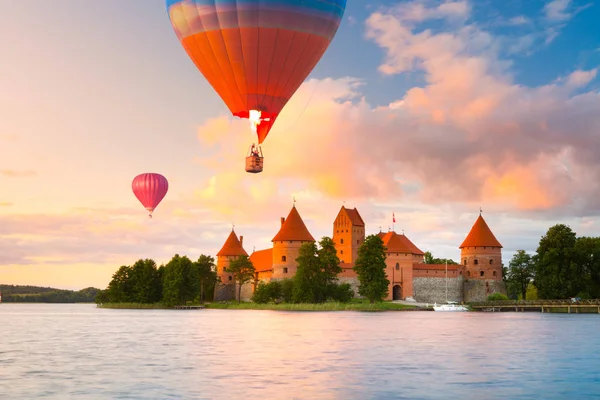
(11, 173)
(470, 135)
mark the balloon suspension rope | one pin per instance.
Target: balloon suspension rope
(304, 109)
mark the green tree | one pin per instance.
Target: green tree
(520, 273)
(328, 260)
(207, 274)
(370, 269)
(429, 259)
(242, 271)
(181, 281)
(146, 282)
(120, 288)
(555, 270)
(587, 253)
(309, 282)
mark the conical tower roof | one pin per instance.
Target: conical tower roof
(293, 228)
(480, 236)
(232, 247)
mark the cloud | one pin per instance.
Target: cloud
(11, 173)
(470, 135)
(5, 204)
(557, 10)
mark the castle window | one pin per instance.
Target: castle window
(491, 262)
(480, 273)
(476, 261)
(224, 269)
(465, 262)
(285, 270)
(283, 258)
(468, 273)
(230, 278)
(357, 241)
(494, 273)
(341, 241)
(290, 241)
(460, 272)
(341, 251)
(397, 266)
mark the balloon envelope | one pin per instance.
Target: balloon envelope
(256, 53)
(150, 189)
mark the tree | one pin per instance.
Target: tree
(555, 272)
(146, 282)
(370, 269)
(309, 282)
(120, 288)
(242, 270)
(520, 273)
(429, 259)
(181, 282)
(316, 276)
(587, 254)
(206, 272)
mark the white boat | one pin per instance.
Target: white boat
(450, 305)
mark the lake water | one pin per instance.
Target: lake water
(81, 352)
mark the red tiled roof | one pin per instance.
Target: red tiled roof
(293, 228)
(480, 236)
(399, 243)
(354, 216)
(232, 247)
(262, 260)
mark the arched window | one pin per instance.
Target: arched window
(341, 251)
(491, 261)
(476, 261)
(493, 273)
(465, 262)
(283, 258)
(480, 273)
(397, 266)
(341, 241)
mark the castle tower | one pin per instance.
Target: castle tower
(348, 234)
(232, 249)
(481, 258)
(286, 245)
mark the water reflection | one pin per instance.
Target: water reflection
(78, 351)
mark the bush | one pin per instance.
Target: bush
(342, 292)
(287, 290)
(267, 292)
(496, 297)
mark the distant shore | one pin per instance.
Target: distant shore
(329, 306)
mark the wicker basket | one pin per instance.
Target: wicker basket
(254, 164)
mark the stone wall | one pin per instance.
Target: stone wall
(353, 281)
(479, 290)
(433, 290)
(224, 292)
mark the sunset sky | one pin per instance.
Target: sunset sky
(426, 109)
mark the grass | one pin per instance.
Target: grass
(328, 306)
(355, 305)
(134, 306)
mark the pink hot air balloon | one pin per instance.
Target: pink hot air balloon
(150, 189)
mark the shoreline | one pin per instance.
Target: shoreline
(330, 306)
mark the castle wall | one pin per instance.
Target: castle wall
(482, 263)
(399, 271)
(353, 281)
(479, 290)
(433, 289)
(284, 258)
(224, 292)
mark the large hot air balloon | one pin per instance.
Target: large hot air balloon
(256, 53)
(150, 189)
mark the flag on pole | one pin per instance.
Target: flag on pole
(394, 217)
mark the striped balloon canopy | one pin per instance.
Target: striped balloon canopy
(150, 189)
(256, 53)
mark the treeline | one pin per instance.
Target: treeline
(316, 279)
(562, 267)
(179, 281)
(36, 294)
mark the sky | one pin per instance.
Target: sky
(423, 109)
